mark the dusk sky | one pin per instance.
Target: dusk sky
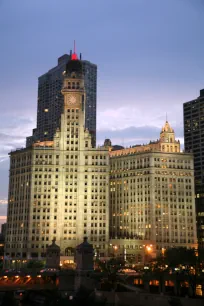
(150, 57)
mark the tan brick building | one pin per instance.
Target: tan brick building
(152, 194)
(59, 189)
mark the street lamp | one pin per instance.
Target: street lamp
(115, 248)
(147, 249)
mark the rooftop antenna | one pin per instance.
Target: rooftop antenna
(74, 47)
(74, 55)
(166, 117)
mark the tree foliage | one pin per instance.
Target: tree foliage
(35, 264)
(180, 256)
(177, 256)
(111, 266)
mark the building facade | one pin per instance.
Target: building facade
(194, 142)
(50, 100)
(3, 229)
(59, 189)
(152, 195)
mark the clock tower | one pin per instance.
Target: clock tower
(73, 85)
(83, 188)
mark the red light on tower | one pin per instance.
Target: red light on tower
(74, 55)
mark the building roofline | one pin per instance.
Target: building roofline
(151, 152)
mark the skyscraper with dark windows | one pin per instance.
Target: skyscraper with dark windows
(50, 101)
(194, 142)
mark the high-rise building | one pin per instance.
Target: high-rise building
(50, 101)
(59, 188)
(152, 195)
(3, 229)
(194, 142)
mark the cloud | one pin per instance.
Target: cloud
(14, 130)
(3, 209)
(133, 125)
(13, 133)
(133, 135)
(3, 218)
(125, 125)
(123, 117)
(130, 134)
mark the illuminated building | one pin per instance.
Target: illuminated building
(152, 195)
(59, 189)
(50, 100)
(194, 143)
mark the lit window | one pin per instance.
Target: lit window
(46, 110)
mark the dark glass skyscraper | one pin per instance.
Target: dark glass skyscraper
(50, 101)
(194, 142)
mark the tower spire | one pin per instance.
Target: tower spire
(74, 55)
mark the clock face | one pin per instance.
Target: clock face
(72, 99)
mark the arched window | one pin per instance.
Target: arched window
(69, 251)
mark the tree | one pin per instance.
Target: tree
(35, 264)
(180, 256)
(111, 266)
(160, 261)
(183, 256)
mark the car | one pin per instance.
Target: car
(13, 272)
(48, 270)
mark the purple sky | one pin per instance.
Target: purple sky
(150, 57)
